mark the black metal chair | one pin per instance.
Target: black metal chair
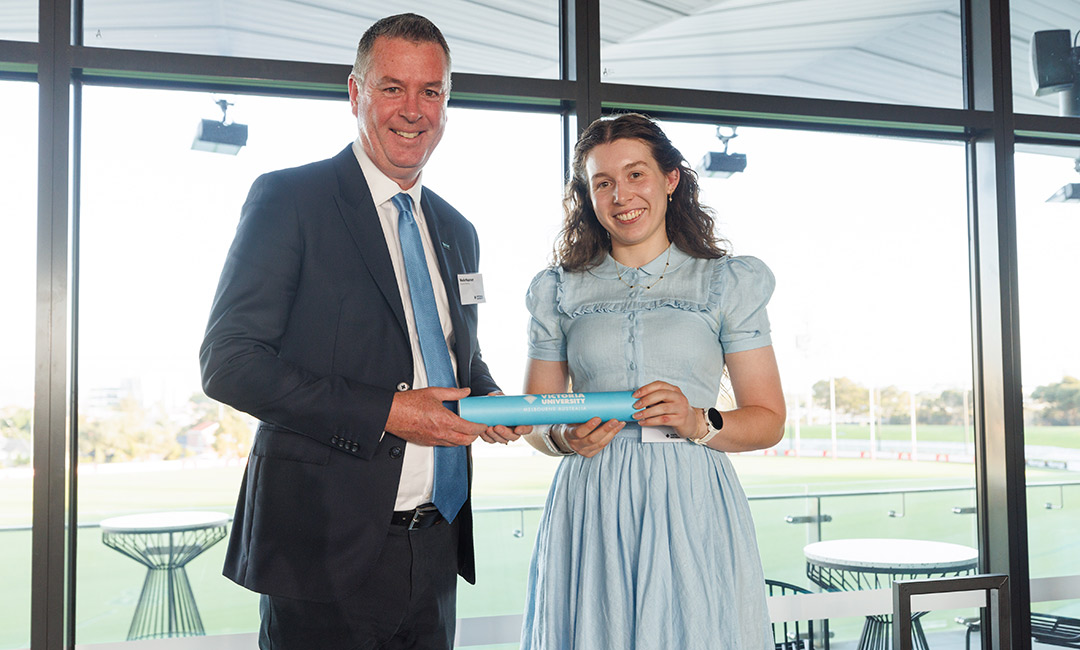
(1060, 631)
(797, 635)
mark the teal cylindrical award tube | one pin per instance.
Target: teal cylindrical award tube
(556, 408)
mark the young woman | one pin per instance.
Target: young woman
(648, 544)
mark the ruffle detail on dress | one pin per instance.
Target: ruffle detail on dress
(574, 311)
(579, 294)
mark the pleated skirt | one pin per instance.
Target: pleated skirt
(646, 546)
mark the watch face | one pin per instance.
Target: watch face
(715, 419)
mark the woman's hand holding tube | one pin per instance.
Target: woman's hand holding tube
(664, 405)
(588, 438)
(756, 422)
(501, 434)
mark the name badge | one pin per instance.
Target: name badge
(471, 288)
(660, 434)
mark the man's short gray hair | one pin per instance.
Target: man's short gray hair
(411, 27)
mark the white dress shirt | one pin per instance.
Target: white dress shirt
(418, 467)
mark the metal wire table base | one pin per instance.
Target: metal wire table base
(166, 606)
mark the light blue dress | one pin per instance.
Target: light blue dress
(648, 545)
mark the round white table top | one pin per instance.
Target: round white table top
(163, 522)
(899, 554)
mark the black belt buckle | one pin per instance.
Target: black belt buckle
(421, 517)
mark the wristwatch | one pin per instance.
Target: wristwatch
(714, 421)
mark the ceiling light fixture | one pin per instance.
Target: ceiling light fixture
(721, 164)
(1069, 192)
(220, 137)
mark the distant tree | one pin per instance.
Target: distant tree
(1060, 401)
(127, 432)
(947, 407)
(851, 398)
(235, 435)
(15, 422)
(894, 405)
(953, 400)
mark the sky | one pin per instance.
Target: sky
(867, 237)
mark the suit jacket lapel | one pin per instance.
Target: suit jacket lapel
(361, 219)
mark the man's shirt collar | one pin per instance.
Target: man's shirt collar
(383, 188)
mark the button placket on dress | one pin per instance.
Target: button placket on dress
(633, 322)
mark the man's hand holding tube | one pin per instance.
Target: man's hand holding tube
(419, 416)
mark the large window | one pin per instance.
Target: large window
(156, 220)
(867, 238)
(155, 226)
(518, 38)
(512, 194)
(18, 228)
(1045, 232)
(902, 53)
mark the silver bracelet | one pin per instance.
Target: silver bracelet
(558, 439)
(549, 444)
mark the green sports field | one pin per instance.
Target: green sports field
(108, 583)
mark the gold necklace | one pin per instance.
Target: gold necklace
(667, 262)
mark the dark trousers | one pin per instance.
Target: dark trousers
(407, 602)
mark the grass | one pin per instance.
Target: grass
(108, 583)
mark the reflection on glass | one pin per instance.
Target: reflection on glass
(19, 20)
(907, 53)
(18, 231)
(516, 37)
(1045, 233)
(1044, 72)
(867, 238)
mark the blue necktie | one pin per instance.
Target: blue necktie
(451, 464)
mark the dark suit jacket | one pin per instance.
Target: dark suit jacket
(307, 333)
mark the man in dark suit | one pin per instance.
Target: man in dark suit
(315, 330)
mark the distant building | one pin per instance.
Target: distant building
(199, 439)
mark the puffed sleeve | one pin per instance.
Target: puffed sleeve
(742, 286)
(546, 340)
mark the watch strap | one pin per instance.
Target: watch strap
(710, 414)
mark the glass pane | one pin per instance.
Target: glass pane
(867, 238)
(1050, 369)
(154, 232)
(518, 37)
(880, 51)
(517, 217)
(19, 20)
(156, 222)
(1044, 70)
(18, 231)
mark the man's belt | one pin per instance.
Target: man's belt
(420, 517)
